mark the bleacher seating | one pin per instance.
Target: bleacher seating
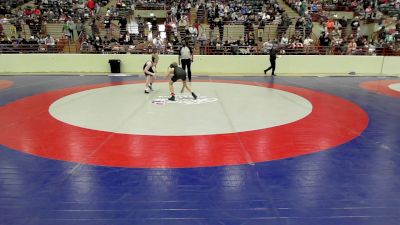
(226, 37)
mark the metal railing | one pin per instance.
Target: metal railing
(207, 49)
(32, 48)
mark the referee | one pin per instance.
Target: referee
(186, 58)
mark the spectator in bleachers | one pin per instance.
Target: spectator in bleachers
(283, 25)
(330, 25)
(107, 26)
(351, 47)
(192, 33)
(158, 44)
(260, 29)
(85, 47)
(308, 27)
(122, 24)
(308, 44)
(355, 25)
(337, 45)
(154, 25)
(300, 24)
(49, 41)
(91, 5)
(18, 26)
(79, 27)
(324, 42)
(66, 31)
(284, 41)
(389, 38)
(202, 39)
(267, 46)
(97, 44)
(94, 27)
(71, 27)
(371, 48)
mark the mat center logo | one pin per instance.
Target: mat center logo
(183, 99)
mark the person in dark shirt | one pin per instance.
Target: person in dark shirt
(324, 42)
(272, 60)
(107, 25)
(178, 74)
(122, 25)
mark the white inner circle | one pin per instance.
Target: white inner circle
(395, 87)
(126, 109)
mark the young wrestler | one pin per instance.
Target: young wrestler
(149, 69)
(178, 74)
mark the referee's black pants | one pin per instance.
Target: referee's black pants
(273, 64)
(186, 63)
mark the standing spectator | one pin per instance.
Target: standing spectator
(94, 27)
(71, 27)
(122, 25)
(355, 26)
(283, 25)
(220, 25)
(154, 26)
(300, 25)
(212, 26)
(343, 22)
(260, 30)
(107, 25)
(202, 38)
(141, 26)
(18, 26)
(66, 31)
(79, 27)
(309, 26)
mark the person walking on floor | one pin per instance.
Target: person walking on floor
(272, 60)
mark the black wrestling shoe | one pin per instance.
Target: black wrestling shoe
(146, 91)
(265, 72)
(194, 96)
(172, 98)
